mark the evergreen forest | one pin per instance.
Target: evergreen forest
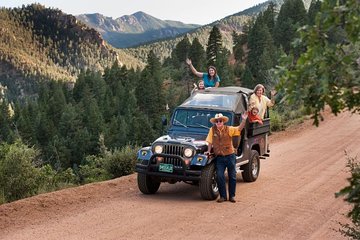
(71, 133)
(67, 133)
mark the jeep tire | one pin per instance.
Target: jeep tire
(147, 184)
(208, 186)
(251, 170)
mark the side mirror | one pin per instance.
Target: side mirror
(146, 144)
(164, 120)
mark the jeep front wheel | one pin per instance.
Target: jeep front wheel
(251, 170)
(147, 184)
(207, 184)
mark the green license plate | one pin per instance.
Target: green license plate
(164, 167)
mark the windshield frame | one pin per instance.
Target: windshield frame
(197, 117)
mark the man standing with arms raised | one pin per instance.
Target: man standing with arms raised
(220, 140)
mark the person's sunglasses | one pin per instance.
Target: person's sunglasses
(218, 121)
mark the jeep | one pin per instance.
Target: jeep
(179, 155)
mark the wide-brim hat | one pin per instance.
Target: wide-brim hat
(219, 116)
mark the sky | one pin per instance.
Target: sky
(187, 11)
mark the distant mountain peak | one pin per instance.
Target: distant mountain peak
(134, 29)
(140, 14)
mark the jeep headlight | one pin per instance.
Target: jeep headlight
(158, 149)
(188, 152)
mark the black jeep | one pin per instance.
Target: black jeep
(179, 156)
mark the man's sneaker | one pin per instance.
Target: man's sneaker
(221, 199)
(232, 200)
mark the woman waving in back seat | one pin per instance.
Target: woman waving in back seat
(259, 100)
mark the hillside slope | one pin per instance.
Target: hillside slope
(38, 43)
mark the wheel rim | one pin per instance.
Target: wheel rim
(214, 184)
(255, 167)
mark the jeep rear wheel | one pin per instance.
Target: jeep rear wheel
(147, 184)
(207, 184)
(251, 170)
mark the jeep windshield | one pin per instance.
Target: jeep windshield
(196, 118)
(213, 100)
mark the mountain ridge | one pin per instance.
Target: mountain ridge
(228, 24)
(38, 43)
(134, 29)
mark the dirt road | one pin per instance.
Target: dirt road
(292, 199)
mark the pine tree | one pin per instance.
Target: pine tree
(142, 130)
(56, 102)
(149, 92)
(70, 124)
(182, 51)
(118, 132)
(269, 18)
(292, 15)
(197, 54)
(261, 47)
(214, 46)
(92, 119)
(45, 131)
(314, 8)
(218, 56)
(225, 71)
(239, 50)
(26, 120)
(114, 75)
(247, 78)
(79, 86)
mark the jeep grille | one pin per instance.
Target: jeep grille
(174, 149)
(174, 161)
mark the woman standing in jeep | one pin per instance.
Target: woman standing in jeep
(211, 79)
(261, 101)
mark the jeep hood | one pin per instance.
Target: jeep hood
(177, 139)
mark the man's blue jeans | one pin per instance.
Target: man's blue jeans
(223, 162)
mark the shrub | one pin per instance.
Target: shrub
(93, 170)
(51, 180)
(276, 121)
(282, 116)
(352, 196)
(121, 162)
(19, 177)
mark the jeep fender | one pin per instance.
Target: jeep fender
(144, 153)
(201, 160)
